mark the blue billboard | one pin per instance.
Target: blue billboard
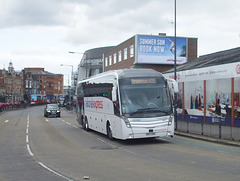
(160, 50)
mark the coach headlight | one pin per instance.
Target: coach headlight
(125, 119)
(171, 118)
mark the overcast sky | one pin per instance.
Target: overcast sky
(41, 33)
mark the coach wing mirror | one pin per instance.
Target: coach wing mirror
(173, 85)
(114, 94)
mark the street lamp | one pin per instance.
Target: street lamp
(175, 61)
(70, 95)
(85, 58)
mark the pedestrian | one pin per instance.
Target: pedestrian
(218, 108)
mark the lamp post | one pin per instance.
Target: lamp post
(85, 58)
(69, 95)
(175, 61)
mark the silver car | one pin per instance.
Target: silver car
(52, 110)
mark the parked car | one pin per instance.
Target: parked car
(52, 110)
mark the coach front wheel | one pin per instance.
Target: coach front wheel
(109, 131)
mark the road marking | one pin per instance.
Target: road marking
(69, 123)
(27, 139)
(40, 163)
(29, 150)
(6, 121)
(56, 173)
(112, 145)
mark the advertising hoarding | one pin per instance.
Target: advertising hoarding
(231, 70)
(160, 50)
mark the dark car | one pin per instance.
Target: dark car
(52, 110)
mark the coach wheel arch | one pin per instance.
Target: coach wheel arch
(82, 120)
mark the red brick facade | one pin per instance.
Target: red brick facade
(129, 62)
(18, 86)
(48, 83)
(12, 86)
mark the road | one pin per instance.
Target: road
(33, 147)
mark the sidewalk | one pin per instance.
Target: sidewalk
(207, 138)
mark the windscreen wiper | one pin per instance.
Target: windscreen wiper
(143, 110)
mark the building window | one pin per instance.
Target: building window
(114, 58)
(120, 56)
(131, 51)
(125, 54)
(106, 62)
(110, 60)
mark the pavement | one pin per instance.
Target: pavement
(210, 139)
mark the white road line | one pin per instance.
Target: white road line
(116, 146)
(69, 123)
(112, 145)
(27, 139)
(29, 150)
(31, 154)
(56, 173)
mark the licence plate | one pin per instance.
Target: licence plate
(151, 133)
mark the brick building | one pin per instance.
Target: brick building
(148, 51)
(39, 81)
(17, 86)
(12, 89)
(2, 92)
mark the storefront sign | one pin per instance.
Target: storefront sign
(208, 73)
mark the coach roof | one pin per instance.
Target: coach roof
(125, 73)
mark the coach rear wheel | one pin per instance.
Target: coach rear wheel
(86, 126)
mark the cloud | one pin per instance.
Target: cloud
(118, 20)
(34, 13)
(46, 30)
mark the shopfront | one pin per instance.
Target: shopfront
(210, 95)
